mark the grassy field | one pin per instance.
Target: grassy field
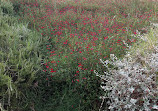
(50, 49)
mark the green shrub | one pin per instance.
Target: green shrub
(19, 59)
(6, 7)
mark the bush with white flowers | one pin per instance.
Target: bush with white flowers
(131, 84)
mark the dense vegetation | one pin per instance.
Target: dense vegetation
(50, 49)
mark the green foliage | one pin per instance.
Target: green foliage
(61, 96)
(19, 58)
(67, 66)
(6, 7)
(17, 7)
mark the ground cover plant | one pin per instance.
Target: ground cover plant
(75, 35)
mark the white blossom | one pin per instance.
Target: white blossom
(155, 107)
(133, 101)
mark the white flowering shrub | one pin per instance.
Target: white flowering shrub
(129, 88)
(131, 85)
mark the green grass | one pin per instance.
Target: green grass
(70, 38)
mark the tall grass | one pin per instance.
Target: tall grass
(19, 58)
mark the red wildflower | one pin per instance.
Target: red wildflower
(107, 29)
(94, 38)
(83, 78)
(99, 31)
(52, 70)
(70, 45)
(118, 41)
(65, 42)
(53, 62)
(105, 38)
(77, 71)
(79, 65)
(84, 58)
(91, 49)
(110, 49)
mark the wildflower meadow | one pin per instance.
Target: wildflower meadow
(51, 50)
